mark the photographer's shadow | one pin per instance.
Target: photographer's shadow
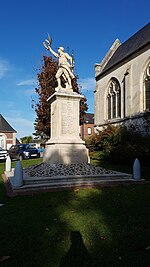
(77, 255)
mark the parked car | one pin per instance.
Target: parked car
(23, 151)
(3, 153)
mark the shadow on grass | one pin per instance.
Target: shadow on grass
(77, 255)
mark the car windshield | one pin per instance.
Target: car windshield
(20, 146)
(30, 146)
(26, 146)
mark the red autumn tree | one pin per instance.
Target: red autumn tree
(46, 87)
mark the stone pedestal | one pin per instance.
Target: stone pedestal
(65, 145)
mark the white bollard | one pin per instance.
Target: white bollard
(136, 170)
(18, 175)
(8, 164)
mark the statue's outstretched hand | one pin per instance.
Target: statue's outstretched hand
(45, 45)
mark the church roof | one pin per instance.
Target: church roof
(5, 126)
(135, 43)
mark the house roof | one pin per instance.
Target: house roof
(89, 118)
(5, 126)
(135, 43)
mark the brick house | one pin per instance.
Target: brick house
(7, 134)
(87, 128)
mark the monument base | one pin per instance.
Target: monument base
(66, 153)
(65, 145)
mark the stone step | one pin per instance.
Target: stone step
(74, 179)
(46, 177)
(68, 185)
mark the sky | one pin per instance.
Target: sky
(87, 27)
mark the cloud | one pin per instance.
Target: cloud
(87, 84)
(29, 92)
(6, 103)
(4, 67)
(27, 82)
(23, 127)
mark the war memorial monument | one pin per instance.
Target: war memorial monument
(66, 163)
(65, 145)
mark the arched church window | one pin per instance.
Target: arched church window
(114, 99)
(114, 105)
(147, 88)
(109, 106)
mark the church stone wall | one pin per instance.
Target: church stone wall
(132, 72)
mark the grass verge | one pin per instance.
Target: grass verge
(88, 227)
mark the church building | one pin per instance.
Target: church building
(122, 94)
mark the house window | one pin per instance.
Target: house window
(89, 130)
(147, 88)
(114, 99)
(2, 141)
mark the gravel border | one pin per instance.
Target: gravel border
(50, 170)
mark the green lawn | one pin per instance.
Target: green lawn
(89, 227)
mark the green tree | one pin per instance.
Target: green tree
(26, 139)
(46, 87)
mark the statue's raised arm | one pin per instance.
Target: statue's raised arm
(65, 67)
(47, 45)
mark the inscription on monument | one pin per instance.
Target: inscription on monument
(68, 118)
(53, 120)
